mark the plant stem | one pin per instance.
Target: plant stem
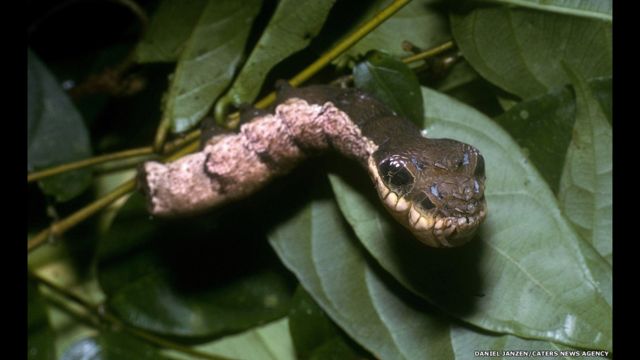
(99, 312)
(161, 133)
(408, 60)
(39, 175)
(349, 41)
(429, 53)
(189, 148)
(59, 227)
(96, 160)
(61, 291)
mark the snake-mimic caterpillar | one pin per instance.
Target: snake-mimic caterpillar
(434, 187)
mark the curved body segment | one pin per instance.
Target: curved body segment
(433, 187)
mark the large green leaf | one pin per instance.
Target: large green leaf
(291, 28)
(314, 335)
(419, 22)
(322, 251)
(586, 184)
(40, 336)
(182, 277)
(461, 74)
(392, 82)
(209, 60)
(56, 133)
(543, 127)
(317, 245)
(171, 25)
(522, 50)
(602, 90)
(596, 9)
(514, 277)
(467, 344)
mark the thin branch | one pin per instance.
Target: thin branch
(429, 53)
(187, 139)
(193, 146)
(59, 227)
(99, 312)
(337, 50)
(96, 160)
(348, 42)
(423, 55)
(39, 175)
(67, 294)
(161, 133)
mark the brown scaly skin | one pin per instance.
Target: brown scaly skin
(433, 187)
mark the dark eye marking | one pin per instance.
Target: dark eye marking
(395, 173)
(479, 170)
(427, 204)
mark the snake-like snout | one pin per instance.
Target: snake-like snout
(461, 197)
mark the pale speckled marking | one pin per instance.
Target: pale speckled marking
(191, 186)
(280, 147)
(195, 182)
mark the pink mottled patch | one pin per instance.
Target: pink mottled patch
(234, 166)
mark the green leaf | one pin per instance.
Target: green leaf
(291, 28)
(595, 9)
(40, 336)
(56, 133)
(309, 326)
(170, 27)
(602, 90)
(267, 342)
(318, 247)
(321, 250)
(586, 184)
(182, 277)
(392, 82)
(461, 74)
(209, 60)
(402, 26)
(543, 127)
(313, 333)
(514, 277)
(466, 343)
(111, 345)
(521, 50)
